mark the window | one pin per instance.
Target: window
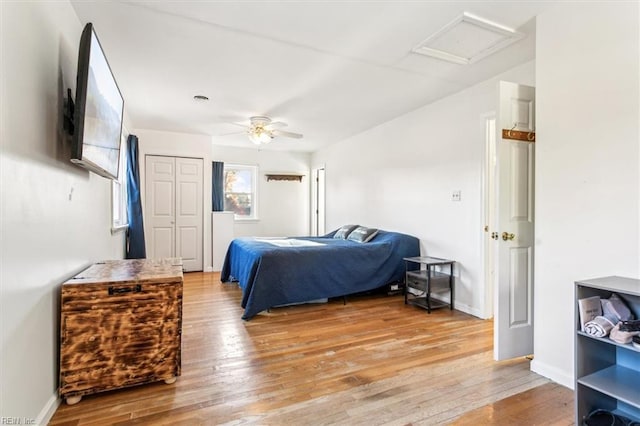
(119, 220)
(240, 191)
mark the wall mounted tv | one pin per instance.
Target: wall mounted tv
(98, 110)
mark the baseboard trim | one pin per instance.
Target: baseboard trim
(208, 269)
(553, 373)
(467, 309)
(48, 410)
(459, 306)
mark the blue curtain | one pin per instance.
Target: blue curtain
(135, 248)
(217, 186)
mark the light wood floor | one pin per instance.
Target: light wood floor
(373, 361)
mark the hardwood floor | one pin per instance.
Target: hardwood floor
(549, 404)
(372, 361)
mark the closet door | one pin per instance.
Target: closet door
(173, 210)
(189, 215)
(160, 206)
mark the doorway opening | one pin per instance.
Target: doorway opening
(490, 226)
(318, 202)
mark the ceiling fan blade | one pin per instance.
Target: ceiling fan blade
(233, 133)
(287, 134)
(246, 126)
(276, 125)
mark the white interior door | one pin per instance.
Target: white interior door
(174, 209)
(160, 204)
(513, 323)
(189, 214)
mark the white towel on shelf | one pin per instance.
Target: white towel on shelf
(600, 326)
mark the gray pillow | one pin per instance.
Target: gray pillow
(344, 232)
(362, 234)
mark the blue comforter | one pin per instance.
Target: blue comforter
(272, 275)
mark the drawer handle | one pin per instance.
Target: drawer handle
(123, 290)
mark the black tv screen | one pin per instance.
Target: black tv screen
(98, 110)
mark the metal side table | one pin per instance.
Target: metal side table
(422, 282)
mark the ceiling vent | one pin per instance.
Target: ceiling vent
(467, 39)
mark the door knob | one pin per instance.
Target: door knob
(507, 236)
(494, 235)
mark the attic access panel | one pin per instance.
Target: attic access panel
(467, 39)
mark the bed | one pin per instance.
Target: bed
(280, 271)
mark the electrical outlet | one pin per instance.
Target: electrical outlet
(456, 195)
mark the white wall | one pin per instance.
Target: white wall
(283, 206)
(155, 142)
(400, 176)
(56, 217)
(587, 164)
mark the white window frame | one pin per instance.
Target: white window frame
(254, 194)
(119, 196)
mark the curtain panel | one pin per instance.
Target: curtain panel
(217, 186)
(135, 247)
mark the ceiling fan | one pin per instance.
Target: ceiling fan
(261, 130)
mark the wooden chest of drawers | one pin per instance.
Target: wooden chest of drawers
(120, 325)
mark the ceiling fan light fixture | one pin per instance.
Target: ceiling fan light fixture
(259, 136)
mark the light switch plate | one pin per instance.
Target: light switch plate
(456, 195)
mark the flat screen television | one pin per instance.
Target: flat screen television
(98, 110)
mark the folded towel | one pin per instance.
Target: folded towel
(600, 326)
(623, 337)
(615, 306)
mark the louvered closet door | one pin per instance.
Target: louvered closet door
(173, 209)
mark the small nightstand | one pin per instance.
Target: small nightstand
(420, 283)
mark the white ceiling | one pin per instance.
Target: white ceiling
(330, 69)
